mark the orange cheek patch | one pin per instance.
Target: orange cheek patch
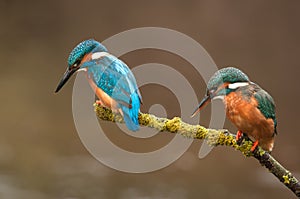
(86, 58)
(222, 87)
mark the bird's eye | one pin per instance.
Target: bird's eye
(76, 63)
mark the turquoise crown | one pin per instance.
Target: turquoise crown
(228, 74)
(84, 47)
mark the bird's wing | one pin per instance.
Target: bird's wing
(115, 78)
(266, 105)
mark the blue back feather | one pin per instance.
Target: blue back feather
(115, 78)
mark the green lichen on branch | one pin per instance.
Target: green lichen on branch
(176, 125)
(213, 137)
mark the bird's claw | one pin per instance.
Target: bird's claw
(239, 137)
(239, 134)
(254, 146)
(98, 102)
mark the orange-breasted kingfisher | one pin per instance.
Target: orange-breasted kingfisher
(109, 77)
(250, 108)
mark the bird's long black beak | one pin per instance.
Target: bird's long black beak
(65, 78)
(202, 104)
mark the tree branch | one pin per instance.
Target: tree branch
(213, 137)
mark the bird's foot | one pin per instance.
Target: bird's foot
(254, 146)
(98, 102)
(239, 137)
(239, 134)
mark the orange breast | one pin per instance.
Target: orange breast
(245, 115)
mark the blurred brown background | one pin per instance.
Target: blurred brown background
(41, 155)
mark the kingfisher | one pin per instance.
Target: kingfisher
(250, 108)
(110, 78)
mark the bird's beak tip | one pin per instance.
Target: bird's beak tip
(64, 79)
(195, 112)
(202, 104)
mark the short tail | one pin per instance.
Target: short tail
(132, 123)
(131, 114)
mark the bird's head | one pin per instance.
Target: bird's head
(223, 82)
(78, 56)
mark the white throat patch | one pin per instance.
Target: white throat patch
(238, 85)
(98, 55)
(221, 97)
(82, 69)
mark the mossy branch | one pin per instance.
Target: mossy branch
(213, 137)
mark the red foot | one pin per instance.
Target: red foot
(99, 102)
(239, 134)
(255, 144)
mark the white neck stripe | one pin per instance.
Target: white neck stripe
(238, 85)
(98, 55)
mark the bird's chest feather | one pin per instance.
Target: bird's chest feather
(243, 112)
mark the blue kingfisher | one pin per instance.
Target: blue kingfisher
(109, 77)
(250, 108)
